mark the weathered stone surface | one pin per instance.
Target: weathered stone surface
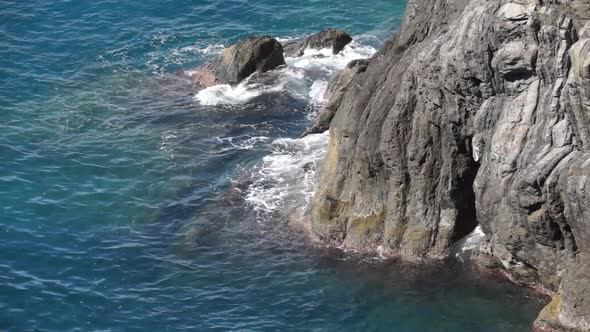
(476, 112)
(569, 308)
(334, 93)
(239, 61)
(548, 320)
(327, 38)
(341, 80)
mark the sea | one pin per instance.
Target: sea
(130, 200)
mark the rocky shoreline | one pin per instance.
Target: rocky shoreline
(257, 55)
(474, 113)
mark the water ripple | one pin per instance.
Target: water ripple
(124, 201)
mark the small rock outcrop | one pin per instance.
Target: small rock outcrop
(476, 112)
(327, 38)
(239, 61)
(339, 82)
(334, 93)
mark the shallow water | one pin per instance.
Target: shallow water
(130, 202)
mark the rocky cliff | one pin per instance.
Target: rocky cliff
(476, 112)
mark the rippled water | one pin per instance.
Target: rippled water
(129, 203)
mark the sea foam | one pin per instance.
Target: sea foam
(234, 95)
(324, 59)
(469, 243)
(287, 176)
(304, 76)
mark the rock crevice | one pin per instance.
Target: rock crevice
(475, 112)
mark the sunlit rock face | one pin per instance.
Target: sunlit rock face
(239, 61)
(476, 112)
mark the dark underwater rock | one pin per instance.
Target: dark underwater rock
(327, 38)
(239, 61)
(477, 112)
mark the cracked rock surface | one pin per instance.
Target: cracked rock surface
(476, 112)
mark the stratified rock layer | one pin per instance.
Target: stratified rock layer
(476, 112)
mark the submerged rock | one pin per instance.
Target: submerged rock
(327, 38)
(239, 61)
(477, 112)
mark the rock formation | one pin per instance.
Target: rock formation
(261, 54)
(239, 61)
(334, 93)
(327, 38)
(476, 112)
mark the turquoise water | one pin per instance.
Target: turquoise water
(128, 205)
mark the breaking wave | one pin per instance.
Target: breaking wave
(287, 176)
(234, 95)
(317, 91)
(306, 76)
(324, 60)
(469, 243)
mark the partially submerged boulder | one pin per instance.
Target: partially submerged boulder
(327, 38)
(261, 54)
(239, 61)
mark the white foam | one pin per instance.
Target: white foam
(284, 40)
(287, 176)
(317, 91)
(324, 59)
(470, 242)
(234, 95)
(241, 143)
(473, 240)
(203, 49)
(283, 79)
(294, 78)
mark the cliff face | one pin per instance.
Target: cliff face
(477, 112)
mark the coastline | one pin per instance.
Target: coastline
(163, 170)
(468, 117)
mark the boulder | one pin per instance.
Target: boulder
(239, 61)
(327, 38)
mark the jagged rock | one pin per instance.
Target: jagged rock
(339, 82)
(475, 112)
(569, 308)
(548, 320)
(327, 38)
(334, 93)
(239, 61)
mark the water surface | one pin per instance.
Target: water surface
(126, 204)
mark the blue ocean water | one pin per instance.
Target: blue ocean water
(129, 203)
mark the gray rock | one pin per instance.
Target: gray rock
(334, 93)
(477, 112)
(239, 61)
(327, 38)
(341, 80)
